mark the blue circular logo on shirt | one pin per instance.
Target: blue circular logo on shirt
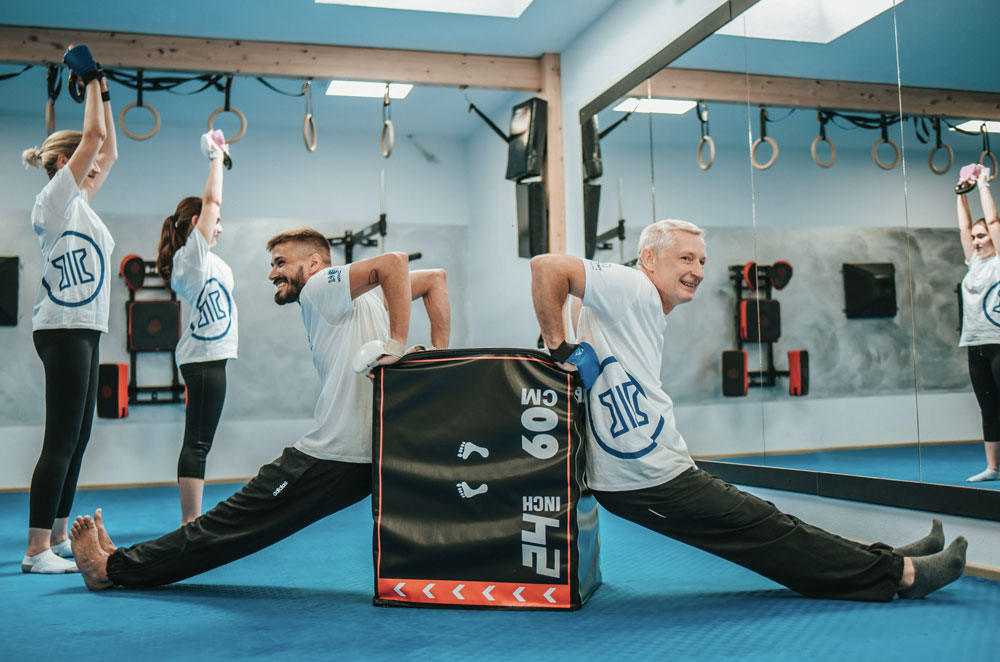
(621, 405)
(76, 267)
(992, 311)
(212, 316)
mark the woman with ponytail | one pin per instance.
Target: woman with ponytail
(186, 262)
(71, 308)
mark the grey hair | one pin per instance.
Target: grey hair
(660, 235)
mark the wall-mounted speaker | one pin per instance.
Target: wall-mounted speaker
(9, 278)
(112, 390)
(526, 146)
(870, 289)
(591, 205)
(154, 325)
(590, 136)
(532, 220)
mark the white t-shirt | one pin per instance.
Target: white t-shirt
(336, 328)
(981, 302)
(632, 440)
(76, 247)
(206, 283)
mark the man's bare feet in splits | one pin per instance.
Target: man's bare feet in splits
(90, 557)
(103, 539)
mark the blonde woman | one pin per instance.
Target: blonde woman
(71, 309)
(980, 320)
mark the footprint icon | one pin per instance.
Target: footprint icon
(467, 492)
(467, 448)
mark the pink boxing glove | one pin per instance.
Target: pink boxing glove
(220, 140)
(967, 177)
(213, 145)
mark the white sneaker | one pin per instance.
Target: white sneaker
(47, 563)
(63, 549)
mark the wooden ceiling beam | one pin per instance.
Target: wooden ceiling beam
(30, 45)
(735, 87)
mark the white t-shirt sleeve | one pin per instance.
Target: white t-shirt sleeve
(611, 289)
(329, 292)
(55, 199)
(190, 268)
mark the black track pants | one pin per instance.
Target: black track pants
(701, 510)
(206, 393)
(285, 496)
(70, 358)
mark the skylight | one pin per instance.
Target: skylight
(498, 8)
(817, 21)
(665, 106)
(353, 88)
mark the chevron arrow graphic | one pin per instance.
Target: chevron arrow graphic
(399, 589)
(458, 591)
(427, 591)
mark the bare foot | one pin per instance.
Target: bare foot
(102, 534)
(90, 558)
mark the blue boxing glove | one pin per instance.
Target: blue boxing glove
(81, 62)
(583, 357)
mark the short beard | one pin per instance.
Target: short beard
(293, 287)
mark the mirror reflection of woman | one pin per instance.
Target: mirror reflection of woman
(981, 323)
(185, 260)
(71, 308)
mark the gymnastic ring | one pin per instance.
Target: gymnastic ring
(930, 159)
(753, 153)
(50, 117)
(711, 152)
(133, 136)
(833, 152)
(875, 154)
(388, 138)
(992, 158)
(243, 122)
(309, 132)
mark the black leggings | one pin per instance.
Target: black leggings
(70, 358)
(206, 393)
(984, 371)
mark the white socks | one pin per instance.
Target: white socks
(47, 563)
(63, 549)
(989, 474)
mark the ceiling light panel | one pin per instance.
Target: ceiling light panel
(663, 106)
(497, 8)
(354, 88)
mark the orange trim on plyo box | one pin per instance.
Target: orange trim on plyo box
(475, 594)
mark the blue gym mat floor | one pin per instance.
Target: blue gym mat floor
(947, 464)
(309, 597)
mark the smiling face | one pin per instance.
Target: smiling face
(291, 267)
(981, 241)
(678, 270)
